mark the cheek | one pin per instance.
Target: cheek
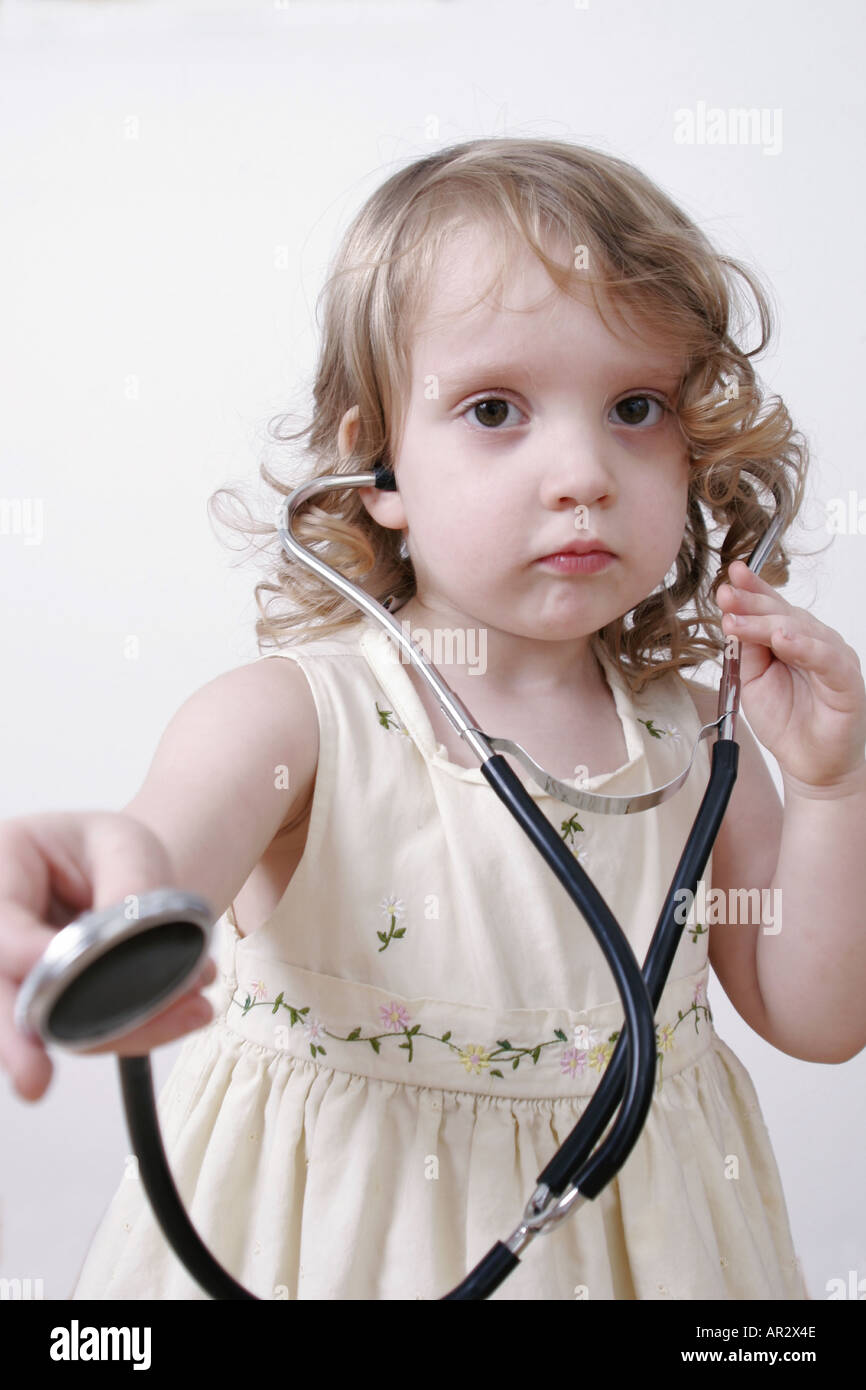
(659, 534)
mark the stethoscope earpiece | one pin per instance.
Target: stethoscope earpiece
(384, 478)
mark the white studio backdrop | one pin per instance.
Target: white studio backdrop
(175, 177)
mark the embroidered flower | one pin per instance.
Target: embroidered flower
(389, 720)
(313, 1029)
(573, 1060)
(474, 1058)
(394, 1016)
(600, 1055)
(700, 995)
(568, 828)
(393, 908)
(665, 1037)
(658, 730)
(258, 989)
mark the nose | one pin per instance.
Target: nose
(576, 467)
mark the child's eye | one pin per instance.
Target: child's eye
(635, 410)
(493, 411)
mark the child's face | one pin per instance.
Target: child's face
(484, 493)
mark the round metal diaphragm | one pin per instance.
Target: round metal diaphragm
(107, 972)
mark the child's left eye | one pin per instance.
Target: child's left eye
(498, 414)
(638, 416)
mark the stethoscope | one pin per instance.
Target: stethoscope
(112, 970)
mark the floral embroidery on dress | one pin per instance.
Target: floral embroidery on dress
(394, 908)
(566, 831)
(657, 732)
(389, 720)
(568, 828)
(590, 1048)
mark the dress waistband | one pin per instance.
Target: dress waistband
(533, 1054)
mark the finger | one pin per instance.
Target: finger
(758, 626)
(208, 974)
(87, 863)
(742, 577)
(822, 659)
(24, 939)
(747, 589)
(826, 660)
(734, 600)
(749, 593)
(25, 1060)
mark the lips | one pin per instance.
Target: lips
(582, 547)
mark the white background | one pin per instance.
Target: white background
(174, 179)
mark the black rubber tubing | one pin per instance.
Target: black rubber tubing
(614, 944)
(136, 1083)
(564, 1167)
(490, 1272)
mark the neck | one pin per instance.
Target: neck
(514, 666)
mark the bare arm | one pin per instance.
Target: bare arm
(793, 974)
(236, 762)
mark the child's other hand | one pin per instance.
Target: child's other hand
(54, 867)
(802, 687)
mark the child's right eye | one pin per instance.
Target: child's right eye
(494, 416)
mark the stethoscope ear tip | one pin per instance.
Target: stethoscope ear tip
(385, 478)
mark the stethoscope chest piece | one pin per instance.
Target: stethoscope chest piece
(107, 973)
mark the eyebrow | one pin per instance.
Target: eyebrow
(488, 369)
(491, 371)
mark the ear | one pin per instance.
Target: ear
(384, 507)
(347, 434)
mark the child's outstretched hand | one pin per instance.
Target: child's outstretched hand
(802, 688)
(54, 866)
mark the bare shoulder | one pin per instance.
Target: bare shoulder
(235, 763)
(241, 751)
(276, 695)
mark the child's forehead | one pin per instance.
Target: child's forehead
(473, 264)
(492, 299)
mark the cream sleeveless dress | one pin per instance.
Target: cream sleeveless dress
(400, 1049)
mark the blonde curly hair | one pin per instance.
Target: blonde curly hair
(746, 461)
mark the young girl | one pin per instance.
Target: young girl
(410, 1014)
